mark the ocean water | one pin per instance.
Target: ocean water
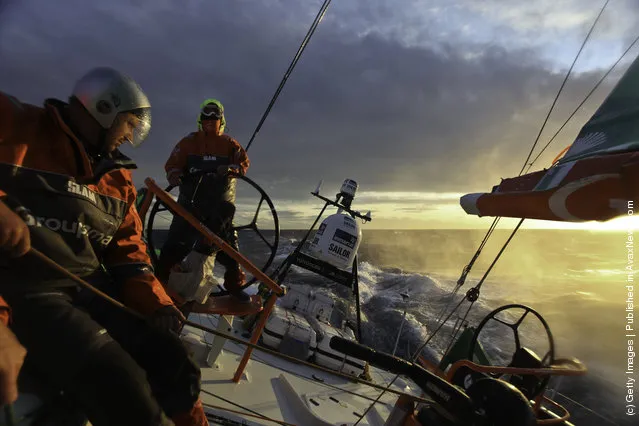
(575, 280)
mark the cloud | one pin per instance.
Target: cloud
(426, 98)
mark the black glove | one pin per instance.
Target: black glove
(168, 318)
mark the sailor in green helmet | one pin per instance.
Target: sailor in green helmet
(211, 196)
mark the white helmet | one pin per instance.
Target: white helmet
(105, 92)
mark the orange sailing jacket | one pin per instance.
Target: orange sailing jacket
(82, 215)
(199, 148)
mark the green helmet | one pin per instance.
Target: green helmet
(219, 114)
(105, 92)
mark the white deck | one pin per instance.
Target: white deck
(282, 390)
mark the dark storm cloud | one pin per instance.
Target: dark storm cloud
(454, 118)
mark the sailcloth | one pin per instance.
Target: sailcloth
(597, 178)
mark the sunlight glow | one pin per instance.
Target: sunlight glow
(409, 210)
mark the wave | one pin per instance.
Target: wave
(576, 284)
(576, 307)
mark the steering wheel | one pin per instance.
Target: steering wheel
(547, 360)
(158, 207)
(487, 402)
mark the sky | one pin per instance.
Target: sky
(419, 101)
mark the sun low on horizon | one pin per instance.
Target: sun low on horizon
(421, 211)
(455, 105)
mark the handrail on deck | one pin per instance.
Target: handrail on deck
(563, 367)
(155, 190)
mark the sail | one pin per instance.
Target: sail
(614, 127)
(593, 181)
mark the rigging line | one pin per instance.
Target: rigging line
(468, 267)
(474, 290)
(592, 27)
(453, 334)
(52, 264)
(580, 405)
(491, 229)
(458, 325)
(253, 412)
(299, 375)
(296, 360)
(317, 382)
(298, 54)
(496, 220)
(223, 421)
(477, 287)
(415, 356)
(293, 373)
(601, 80)
(501, 251)
(552, 107)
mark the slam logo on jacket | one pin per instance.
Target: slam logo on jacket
(77, 228)
(83, 191)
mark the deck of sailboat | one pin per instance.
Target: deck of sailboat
(282, 390)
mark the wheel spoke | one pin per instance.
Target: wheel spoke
(158, 210)
(548, 358)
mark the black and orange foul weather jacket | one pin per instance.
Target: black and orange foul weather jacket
(81, 215)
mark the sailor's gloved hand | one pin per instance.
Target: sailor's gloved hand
(174, 179)
(12, 355)
(168, 318)
(14, 232)
(222, 170)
